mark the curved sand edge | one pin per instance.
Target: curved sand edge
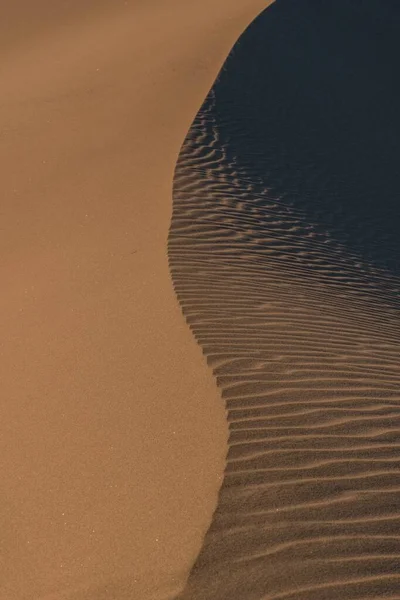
(284, 251)
(112, 418)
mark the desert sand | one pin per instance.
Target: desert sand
(113, 434)
(251, 453)
(285, 254)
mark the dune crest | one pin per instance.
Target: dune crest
(113, 435)
(284, 252)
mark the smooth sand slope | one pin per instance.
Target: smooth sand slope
(112, 432)
(285, 254)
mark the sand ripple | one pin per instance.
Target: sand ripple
(284, 254)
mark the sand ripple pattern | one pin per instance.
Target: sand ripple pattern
(284, 255)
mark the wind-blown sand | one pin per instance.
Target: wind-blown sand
(112, 431)
(285, 254)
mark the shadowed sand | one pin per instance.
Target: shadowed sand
(112, 435)
(285, 254)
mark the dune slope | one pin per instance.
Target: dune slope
(113, 435)
(284, 251)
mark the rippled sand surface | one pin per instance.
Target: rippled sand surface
(285, 255)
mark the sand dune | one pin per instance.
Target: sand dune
(285, 254)
(113, 435)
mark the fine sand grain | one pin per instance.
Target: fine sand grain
(112, 434)
(285, 254)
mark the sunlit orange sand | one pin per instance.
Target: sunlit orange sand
(113, 435)
(251, 452)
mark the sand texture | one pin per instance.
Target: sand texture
(112, 432)
(284, 250)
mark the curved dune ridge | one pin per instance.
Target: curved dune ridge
(284, 251)
(113, 434)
